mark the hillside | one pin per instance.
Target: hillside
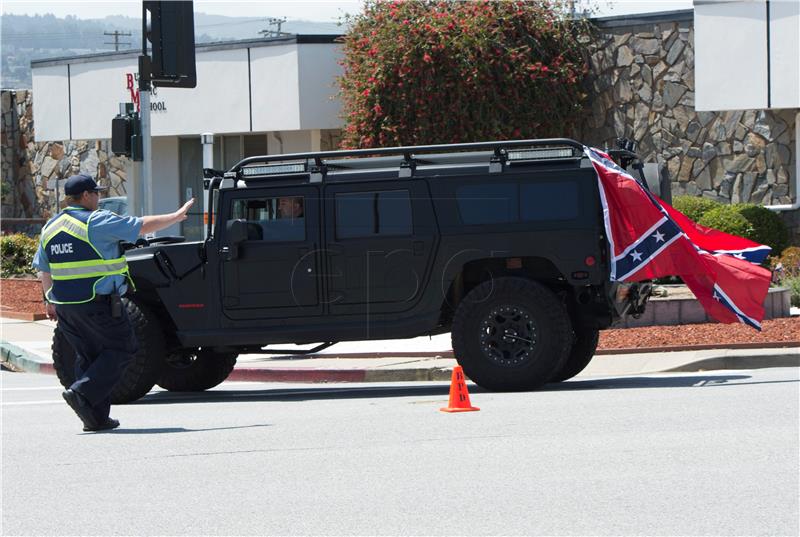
(24, 38)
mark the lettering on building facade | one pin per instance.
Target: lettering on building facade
(155, 106)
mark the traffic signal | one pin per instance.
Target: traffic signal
(171, 33)
(126, 135)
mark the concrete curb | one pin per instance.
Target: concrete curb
(24, 316)
(739, 362)
(23, 360)
(700, 347)
(599, 352)
(28, 362)
(283, 374)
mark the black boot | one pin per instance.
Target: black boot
(107, 425)
(80, 406)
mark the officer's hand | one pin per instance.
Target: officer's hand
(180, 215)
(51, 311)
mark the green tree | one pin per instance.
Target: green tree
(426, 71)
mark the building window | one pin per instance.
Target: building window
(329, 139)
(255, 145)
(367, 214)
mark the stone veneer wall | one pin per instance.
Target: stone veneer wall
(642, 87)
(18, 195)
(27, 165)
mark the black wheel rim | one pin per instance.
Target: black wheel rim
(508, 336)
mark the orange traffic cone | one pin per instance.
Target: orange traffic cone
(459, 396)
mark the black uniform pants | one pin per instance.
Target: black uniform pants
(103, 347)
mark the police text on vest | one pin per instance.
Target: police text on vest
(65, 248)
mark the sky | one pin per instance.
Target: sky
(310, 10)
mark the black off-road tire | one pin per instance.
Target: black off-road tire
(142, 371)
(586, 337)
(196, 371)
(538, 320)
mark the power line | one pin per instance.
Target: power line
(26, 35)
(272, 21)
(117, 34)
(248, 21)
(15, 35)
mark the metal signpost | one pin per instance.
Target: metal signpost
(147, 148)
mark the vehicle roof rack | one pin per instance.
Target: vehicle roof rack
(407, 158)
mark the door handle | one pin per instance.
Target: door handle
(229, 253)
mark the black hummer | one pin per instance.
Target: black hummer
(500, 243)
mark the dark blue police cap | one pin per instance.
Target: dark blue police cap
(78, 184)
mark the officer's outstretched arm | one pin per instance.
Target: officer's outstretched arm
(157, 222)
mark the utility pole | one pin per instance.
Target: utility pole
(116, 34)
(272, 21)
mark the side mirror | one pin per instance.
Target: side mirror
(236, 234)
(237, 231)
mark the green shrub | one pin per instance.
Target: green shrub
(768, 228)
(17, 254)
(694, 206)
(786, 269)
(753, 222)
(727, 218)
(794, 288)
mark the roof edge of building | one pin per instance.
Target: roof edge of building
(300, 39)
(678, 15)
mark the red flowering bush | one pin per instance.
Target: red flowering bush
(424, 71)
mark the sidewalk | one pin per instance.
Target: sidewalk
(26, 345)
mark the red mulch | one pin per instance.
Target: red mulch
(25, 296)
(21, 296)
(786, 329)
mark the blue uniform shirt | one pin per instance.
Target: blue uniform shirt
(106, 229)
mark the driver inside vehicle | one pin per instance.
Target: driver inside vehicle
(288, 223)
(290, 207)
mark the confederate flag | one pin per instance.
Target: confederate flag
(649, 239)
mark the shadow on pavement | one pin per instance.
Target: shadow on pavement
(163, 430)
(619, 383)
(659, 382)
(343, 391)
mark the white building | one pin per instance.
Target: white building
(748, 58)
(747, 54)
(264, 96)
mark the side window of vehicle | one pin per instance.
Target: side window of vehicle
(557, 200)
(488, 203)
(367, 214)
(276, 219)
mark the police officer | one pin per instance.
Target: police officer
(83, 275)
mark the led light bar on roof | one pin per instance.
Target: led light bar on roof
(538, 154)
(273, 169)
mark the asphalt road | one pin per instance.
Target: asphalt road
(713, 453)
